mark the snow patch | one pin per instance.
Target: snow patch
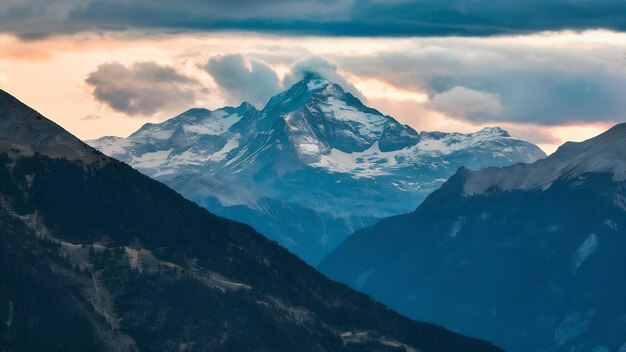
(111, 146)
(370, 125)
(309, 148)
(316, 84)
(369, 163)
(216, 124)
(456, 227)
(151, 160)
(363, 277)
(231, 144)
(160, 134)
(611, 224)
(572, 325)
(195, 156)
(554, 228)
(585, 250)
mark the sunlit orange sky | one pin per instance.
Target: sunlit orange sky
(547, 87)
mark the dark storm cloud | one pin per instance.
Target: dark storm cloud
(144, 88)
(244, 80)
(486, 17)
(35, 18)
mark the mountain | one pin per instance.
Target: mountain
(310, 168)
(95, 256)
(529, 256)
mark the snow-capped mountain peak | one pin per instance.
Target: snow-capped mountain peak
(605, 153)
(312, 166)
(492, 131)
(194, 123)
(311, 89)
(320, 116)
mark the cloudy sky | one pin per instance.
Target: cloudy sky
(546, 70)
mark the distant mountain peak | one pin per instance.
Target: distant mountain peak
(493, 131)
(612, 139)
(298, 168)
(301, 93)
(25, 131)
(245, 106)
(489, 244)
(203, 113)
(194, 123)
(319, 85)
(318, 115)
(605, 153)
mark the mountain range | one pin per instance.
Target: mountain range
(95, 256)
(314, 165)
(529, 256)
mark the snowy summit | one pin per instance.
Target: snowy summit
(312, 166)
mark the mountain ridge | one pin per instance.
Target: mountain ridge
(312, 166)
(97, 256)
(603, 153)
(21, 123)
(528, 256)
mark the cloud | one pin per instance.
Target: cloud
(485, 17)
(33, 19)
(543, 79)
(464, 102)
(323, 67)
(538, 134)
(244, 79)
(143, 88)
(248, 79)
(526, 80)
(37, 18)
